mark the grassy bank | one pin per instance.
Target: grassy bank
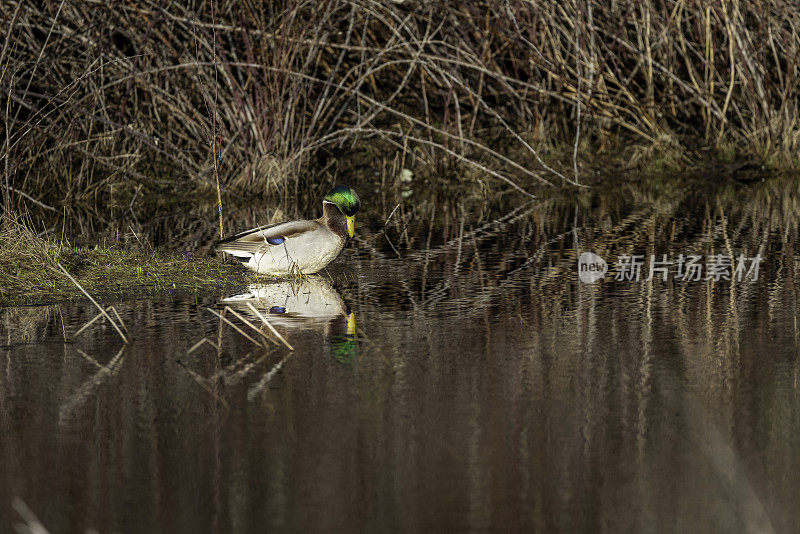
(30, 273)
(241, 98)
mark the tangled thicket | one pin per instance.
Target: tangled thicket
(96, 93)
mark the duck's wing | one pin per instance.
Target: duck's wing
(255, 239)
(246, 233)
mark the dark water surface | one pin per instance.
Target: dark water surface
(479, 385)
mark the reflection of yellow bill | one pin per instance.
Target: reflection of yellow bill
(351, 324)
(351, 225)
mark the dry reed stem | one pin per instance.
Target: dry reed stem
(200, 344)
(233, 325)
(272, 328)
(93, 301)
(248, 323)
(32, 524)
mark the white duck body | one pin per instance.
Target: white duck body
(307, 252)
(284, 257)
(282, 249)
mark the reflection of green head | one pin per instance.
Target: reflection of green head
(345, 198)
(343, 346)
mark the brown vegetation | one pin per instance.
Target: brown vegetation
(104, 97)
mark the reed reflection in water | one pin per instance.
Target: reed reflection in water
(483, 386)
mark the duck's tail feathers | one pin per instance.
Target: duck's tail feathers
(241, 256)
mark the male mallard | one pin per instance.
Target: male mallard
(304, 246)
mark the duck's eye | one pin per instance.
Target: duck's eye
(275, 240)
(277, 309)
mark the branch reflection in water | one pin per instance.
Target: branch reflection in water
(483, 383)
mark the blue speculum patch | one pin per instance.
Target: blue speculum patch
(277, 309)
(275, 240)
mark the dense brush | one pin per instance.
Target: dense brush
(100, 95)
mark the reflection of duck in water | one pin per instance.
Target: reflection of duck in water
(309, 303)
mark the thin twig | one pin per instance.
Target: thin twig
(264, 320)
(102, 310)
(233, 325)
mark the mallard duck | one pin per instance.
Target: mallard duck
(304, 246)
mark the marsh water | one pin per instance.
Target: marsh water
(449, 372)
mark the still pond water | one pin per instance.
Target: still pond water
(449, 372)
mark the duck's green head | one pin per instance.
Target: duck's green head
(348, 203)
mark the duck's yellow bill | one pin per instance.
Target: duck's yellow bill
(351, 225)
(351, 324)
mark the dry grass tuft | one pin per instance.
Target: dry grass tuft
(30, 273)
